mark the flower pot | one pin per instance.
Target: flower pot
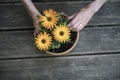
(58, 52)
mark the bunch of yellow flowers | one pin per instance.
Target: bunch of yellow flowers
(54, 30)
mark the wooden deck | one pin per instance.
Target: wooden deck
(96, 56)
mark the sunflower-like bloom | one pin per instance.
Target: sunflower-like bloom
(50, 18)
(43, 41)
(61, 33)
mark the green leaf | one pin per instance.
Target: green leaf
(65, 23)
(43, 29)
(38, 16)
(39, 24)
(56, 45)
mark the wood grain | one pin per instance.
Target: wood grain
(96, 40)
(16, 1)
(96, 56)
(15, 16)
(102, 67)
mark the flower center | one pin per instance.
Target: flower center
(49, 18)
(61, 33)
(43, 41)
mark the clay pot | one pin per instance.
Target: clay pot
(75, 41)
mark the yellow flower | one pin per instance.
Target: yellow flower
(43, 41)
(50, 18)
(61, 33)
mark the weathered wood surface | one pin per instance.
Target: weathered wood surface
(102, 67)
(96, 56)
(14, 1)
(15, 16)
(92, 41)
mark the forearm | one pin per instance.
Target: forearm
(33, 12)
(97, 4)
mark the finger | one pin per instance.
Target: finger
(71, 28)
(72, 16)
(76, 24)
(74, 30)
(35, 34)
(71, 24)
(80, 27)
(73, 21)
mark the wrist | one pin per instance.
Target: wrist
(97, 4)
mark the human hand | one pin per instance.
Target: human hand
(33, 12)
(37, 29)
(81, 18)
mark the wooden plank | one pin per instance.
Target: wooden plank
(96, 40)
(51, 0)
(16, 17)
(39, 0)
(102, 67)
(16, 1)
